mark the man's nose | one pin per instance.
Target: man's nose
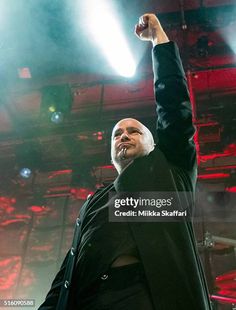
(124, 137)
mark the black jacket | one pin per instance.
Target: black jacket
(167, 250)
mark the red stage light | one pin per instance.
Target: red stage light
(38, 209)
(98, 135)
(214, 176)
(231, 189)
(107, 167)
(60, 172)
(81, 193)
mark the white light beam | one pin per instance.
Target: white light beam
(106, 31)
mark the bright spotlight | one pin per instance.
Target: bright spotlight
(106, 31)
(25, 173)
(57, 117)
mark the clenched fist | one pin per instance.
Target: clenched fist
(150, 29)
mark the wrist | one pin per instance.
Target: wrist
(159, 36)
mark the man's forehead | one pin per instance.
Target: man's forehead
(128, 122)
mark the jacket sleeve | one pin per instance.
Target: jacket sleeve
(52, 297)
(175, 129)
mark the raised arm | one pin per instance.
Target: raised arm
(174, 115)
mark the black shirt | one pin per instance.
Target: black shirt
(102, 241)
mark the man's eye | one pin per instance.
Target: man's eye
(135, 131)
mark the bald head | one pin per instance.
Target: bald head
(130, 139)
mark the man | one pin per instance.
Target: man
(129, 265)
